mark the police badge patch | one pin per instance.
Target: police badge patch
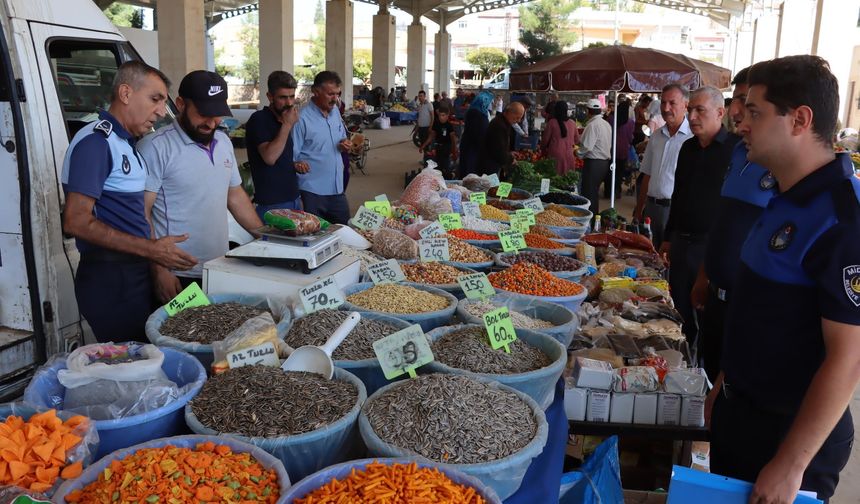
(851, 282)
(783, 236)
(767, 181)
(126, 165)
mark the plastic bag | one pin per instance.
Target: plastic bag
(424, 184)
(455, 198)
(256, 331)
(392, 244)
(476, 183)
(433, 205)
(407, 214)
(599, 479)
(295, 222)
(128, 363)
(635, 379)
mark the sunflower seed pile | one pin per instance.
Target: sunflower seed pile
(263, 401)
(452, 419)
(210, 323)
(469, 349)
(315, 329)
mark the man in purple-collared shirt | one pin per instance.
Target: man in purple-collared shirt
(193, 180)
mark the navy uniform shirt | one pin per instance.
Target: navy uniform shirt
(746, 192)
(277, 183)
(800, 263)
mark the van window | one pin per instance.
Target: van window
(83, 73)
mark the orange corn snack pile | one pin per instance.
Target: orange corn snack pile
(209, 473)
(393, 484)
(33, 453)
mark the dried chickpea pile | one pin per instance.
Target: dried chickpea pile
(393, 298)
(564, 211)
(551, 218)
(434, 273)
(530, 279)
(491, 212)
(463, 252)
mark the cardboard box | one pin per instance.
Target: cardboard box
(575, 403)
(668, 409)
(592, 374)
(645, 409)
(598, 406)
(693, 411)
(686, 382)
(621, 410)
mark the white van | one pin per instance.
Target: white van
(501, 80)
(57, 63)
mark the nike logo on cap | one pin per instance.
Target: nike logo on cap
(213, 90)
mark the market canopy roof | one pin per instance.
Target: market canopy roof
(618, 68)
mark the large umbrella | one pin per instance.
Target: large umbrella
(617, 68)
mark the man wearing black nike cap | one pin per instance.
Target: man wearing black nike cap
(194, 179)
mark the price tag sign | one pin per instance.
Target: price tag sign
(535, 204)
(504, 189)
(386, 272)
(528, 213)
(450, 221)
(322, 294)
(434, 229)
(383, 207)
(520, 223)
(544, 185)
(433, 249)
(476, 286)
(494, 179)
(472, 209)
(403, 352)
(365, 219)
(264, 354)
(190, 297)
(478, 197)
(384, 197)
(500, 329)
(512, 241)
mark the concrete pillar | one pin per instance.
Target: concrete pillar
(832, 26)
(276, 38)
(416, 64)
(795, 31)
(764, 38)
(180, 38)
(338, 43)
(442, 67)
(744, 49)
(383, 51)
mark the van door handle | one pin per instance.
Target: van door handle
(10, 146)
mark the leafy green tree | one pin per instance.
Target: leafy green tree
(315, 58)
(319, 14)
(362, 63)
(487, 59)
(120, 14)
(249, 35)
(546, 29)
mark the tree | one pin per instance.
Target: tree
(249, 35)
(125, 15)
(486, 59)
(546, 29)
(319, 14)
(315, 58)
(362, 63)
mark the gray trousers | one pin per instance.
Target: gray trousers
(659, 217)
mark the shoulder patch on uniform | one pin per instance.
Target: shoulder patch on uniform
(104, 126)
(783, 236)
(767, 182)
(851, 282)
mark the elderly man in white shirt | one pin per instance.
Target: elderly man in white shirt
(596, 149)
(661, 156)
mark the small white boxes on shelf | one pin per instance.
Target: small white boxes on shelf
(645, 409)
(593, 374)
(598, 406)
(669, 409)
(621, 410)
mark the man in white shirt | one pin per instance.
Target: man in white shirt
(597, 152)
(426, 116)
(661, 156)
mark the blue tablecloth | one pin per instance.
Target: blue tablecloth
(400, 117)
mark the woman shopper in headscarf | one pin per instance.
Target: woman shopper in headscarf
(474, 129)
(559, 137)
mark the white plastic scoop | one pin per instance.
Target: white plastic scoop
(314, 359)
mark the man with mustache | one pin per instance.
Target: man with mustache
(270, 147)
(194, 179)
(318, 139)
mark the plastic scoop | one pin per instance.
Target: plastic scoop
(314, 359)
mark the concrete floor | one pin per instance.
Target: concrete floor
(392, 155)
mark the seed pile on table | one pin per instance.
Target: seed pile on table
(491, 212)
(563, 198)
(264, 401)
(469, 349)
(393, 298)
(551, 218)
(520, 320)
(208, 324)
(467, 234)
(564, 211)
(477, 224)
(530, 279)
(463, 252)
(315, 328)
(392, 223)
(543, 231)
(503, 205)
(434, 273)
(546, 260)
(452, 419)
(541, 242)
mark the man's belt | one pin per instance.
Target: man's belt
(660, 202)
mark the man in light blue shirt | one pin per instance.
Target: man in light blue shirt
(318, 139)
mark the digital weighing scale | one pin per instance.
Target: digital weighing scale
(275, 247)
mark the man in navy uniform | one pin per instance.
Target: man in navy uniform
(791, 358)
(103, 180)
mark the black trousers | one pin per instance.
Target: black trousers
(443, 159)
(115, 296)
(333, 208)
(711, 329)
(685, 258)
(593, 173)
(744, 438)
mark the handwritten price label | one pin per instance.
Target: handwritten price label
(478, 197)
(534, 204)
(264, 354)
(471, 209)
(544, 186)
(528, 213)
(476, 286)
(366, 219)
(520, 223)
(432, 230)
(190, 297)
(512, 241)
(500, 329)
(450, 221)
(434, 249)
(383, 207)
(504, 189)
(403, 352)
(386, 272)
(322, 294)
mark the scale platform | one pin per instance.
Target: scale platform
(275, 247)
